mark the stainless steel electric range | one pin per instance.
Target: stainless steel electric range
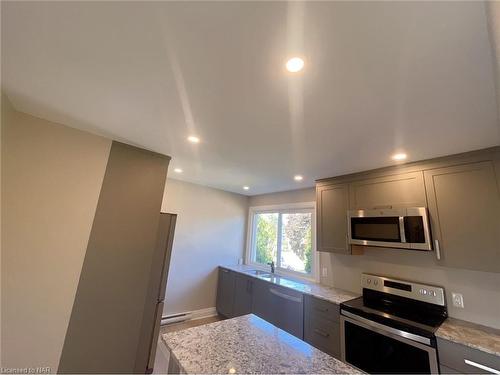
(390, 329)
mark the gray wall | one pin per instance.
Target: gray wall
(480, 289)
(210, 231)
(284, 197)
(51, 178)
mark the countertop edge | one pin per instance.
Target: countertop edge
(444, 333)
(347, 293)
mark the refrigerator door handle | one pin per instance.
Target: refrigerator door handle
(154, 339)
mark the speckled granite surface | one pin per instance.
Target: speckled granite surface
(320, 291)
(249, 345)
(472, 335)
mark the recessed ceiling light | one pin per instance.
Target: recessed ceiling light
(178, 170)
(246, 187)
(193, 139)
(298, 177)
(295, 64)
(399, 156)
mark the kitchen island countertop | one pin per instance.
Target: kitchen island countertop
(249, 345)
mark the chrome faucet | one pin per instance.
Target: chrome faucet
(272, 266)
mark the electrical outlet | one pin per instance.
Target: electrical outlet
(458, 300)
(324, 272)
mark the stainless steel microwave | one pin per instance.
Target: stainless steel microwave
(405, 228)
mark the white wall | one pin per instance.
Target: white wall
(210, 231)
(51, 179)
(481, 290)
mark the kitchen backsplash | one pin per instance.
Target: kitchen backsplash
(480, 290)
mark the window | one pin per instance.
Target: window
(284, 235)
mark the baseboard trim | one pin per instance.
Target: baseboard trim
(188, 315)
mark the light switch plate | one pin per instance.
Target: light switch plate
(458, 300)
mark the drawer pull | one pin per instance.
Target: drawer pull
(482, 367)
(321, 333)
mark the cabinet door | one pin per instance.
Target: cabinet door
(261, 300)
(243, 295)
(464, 210)
(395, 191)
(287, 310)
(225, 292)
(332, 203)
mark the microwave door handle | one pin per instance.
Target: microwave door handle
(402, 229)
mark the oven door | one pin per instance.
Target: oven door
(375, 348)
(377, 228)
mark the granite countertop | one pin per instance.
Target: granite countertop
(316, 290)
(472, 335)
(250, 345)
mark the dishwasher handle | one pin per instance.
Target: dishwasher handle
(285, 296)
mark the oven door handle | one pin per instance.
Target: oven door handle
(382, 327)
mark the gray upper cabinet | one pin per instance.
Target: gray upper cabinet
(225, 292)
(396, 190)
(332, 203)
(464, 209)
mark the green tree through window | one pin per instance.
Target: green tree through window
(285, 238)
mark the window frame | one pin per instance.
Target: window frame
(282, 209)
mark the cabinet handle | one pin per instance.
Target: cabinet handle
(321, 333)
(438, 250)
(285, 296)
(482, 367)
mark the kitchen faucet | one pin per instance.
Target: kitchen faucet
(272, 266)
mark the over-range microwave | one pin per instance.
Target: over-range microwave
(405, 228)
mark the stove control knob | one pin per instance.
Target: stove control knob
(433, 293)
(375, 282)
(369, 281)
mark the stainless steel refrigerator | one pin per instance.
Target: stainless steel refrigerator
(116, 317)
(155, 301)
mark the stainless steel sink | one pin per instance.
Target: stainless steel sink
(258, 273)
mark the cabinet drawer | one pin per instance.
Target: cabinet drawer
(465, 359)
(322, 309)
(323, 334)
(447, 370)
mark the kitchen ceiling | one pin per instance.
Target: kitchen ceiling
(379, 78)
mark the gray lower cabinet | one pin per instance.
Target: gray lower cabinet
(457, 358)
(243, 295)
(322, 325)
(464, 209)
(225, 292)
(261, 300)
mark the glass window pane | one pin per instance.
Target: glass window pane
(266, 237)
(296, 242)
